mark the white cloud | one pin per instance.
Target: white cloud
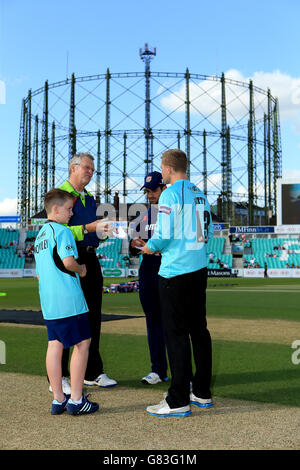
(2, 92)
(291, 174)
(285, 88)
(8, 206)
(15, 81)
(206, 96)
(131, 183)
(214, 181)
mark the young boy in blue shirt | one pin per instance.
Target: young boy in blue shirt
(63, 304)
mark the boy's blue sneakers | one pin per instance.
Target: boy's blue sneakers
(58, 408)
(85, 407)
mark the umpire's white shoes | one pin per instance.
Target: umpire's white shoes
(201, 402)
(163, 410)
(66, 388)
(102, 381)
(151, 379)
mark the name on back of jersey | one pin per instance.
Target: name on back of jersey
(43, 245)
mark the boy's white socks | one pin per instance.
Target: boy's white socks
(56, 402)
(75, 402)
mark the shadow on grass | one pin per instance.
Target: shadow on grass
(238, 378)
(241, 370)
(269, 386)
(280, 396)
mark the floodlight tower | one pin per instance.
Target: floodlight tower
(147, 55)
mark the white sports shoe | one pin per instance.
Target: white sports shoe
(151, 379)
(66, 387)
(201, 402)
(102, 381)
(163, 410)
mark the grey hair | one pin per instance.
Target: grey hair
(76, 159)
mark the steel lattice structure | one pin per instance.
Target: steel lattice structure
(230, 131)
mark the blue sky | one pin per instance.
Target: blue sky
(258, 39)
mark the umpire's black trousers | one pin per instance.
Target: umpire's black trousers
(183, 303)
(149, 297)
(92, 285)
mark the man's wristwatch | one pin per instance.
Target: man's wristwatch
(85, 230)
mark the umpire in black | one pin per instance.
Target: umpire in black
(142, 229)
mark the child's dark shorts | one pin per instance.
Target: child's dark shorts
(69, 331)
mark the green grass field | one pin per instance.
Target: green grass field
(242, 369)
(227, 298)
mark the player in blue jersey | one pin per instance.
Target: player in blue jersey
(183, 227)
(85, 228)
(63, 304)
(142, 230)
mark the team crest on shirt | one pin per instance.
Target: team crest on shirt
(69, 248)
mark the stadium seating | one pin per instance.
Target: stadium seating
(225, 259)
(7, 236)
(216, 246)
(30, 237)
(277, 253)
(110, 252)
(10, 260)
(8, 256)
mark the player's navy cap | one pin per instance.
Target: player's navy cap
(153, 180)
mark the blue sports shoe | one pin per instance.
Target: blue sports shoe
(58, 408)
(163, 410)
(85, 407)
(201, 402)
(153, 378)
